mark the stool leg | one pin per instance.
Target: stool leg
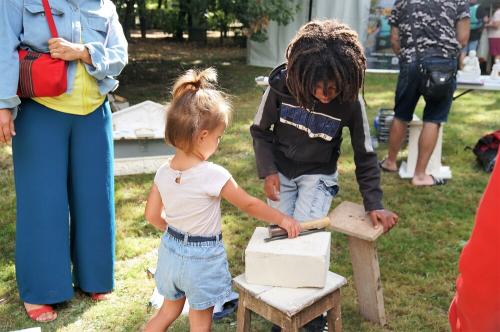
(291, 326)
(244, 317)
(367, 279)
(334, 316)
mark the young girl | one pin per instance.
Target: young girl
(192, 262)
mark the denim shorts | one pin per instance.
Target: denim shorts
(408, 94)
(308, 196)
(195, 270)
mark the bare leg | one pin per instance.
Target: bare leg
(396, 138)
(200, 320)
(426, 143)
(461, 58)
(165, 316)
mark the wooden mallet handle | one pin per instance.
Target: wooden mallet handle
(275, 230)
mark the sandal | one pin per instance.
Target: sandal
(435, 182)
(385, 169)
(34, 314)
(99, 296)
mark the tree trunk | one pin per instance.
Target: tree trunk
(197, 22)
(180, 22)
(128, 20)
(160, 3)
(142, 18)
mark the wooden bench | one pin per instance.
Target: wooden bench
(351, 219)
(289, 308)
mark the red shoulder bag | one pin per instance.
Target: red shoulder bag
(40, 75)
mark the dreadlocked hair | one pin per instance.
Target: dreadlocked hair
(323, 51)
(196, 105)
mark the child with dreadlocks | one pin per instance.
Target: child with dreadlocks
(297, 131)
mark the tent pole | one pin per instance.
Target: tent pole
(310, 9)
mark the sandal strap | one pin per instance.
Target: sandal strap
(99, 296)
(34, 314)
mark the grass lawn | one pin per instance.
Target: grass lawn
(418, 258)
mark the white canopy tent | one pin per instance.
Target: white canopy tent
(270, 53)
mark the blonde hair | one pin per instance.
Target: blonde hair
(196, 105)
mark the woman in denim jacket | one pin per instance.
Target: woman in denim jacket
(62, 150)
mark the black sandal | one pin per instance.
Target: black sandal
(385, 169)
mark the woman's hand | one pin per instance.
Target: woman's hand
(291, 226)
(62, 49)
(6, 126)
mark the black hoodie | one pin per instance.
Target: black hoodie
(297, 141)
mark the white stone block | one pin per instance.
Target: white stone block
(434, 167)
(300, 262)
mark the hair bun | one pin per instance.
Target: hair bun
(194, 80)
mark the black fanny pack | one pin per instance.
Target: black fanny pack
(437, 78)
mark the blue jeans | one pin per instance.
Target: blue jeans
(306, 197)
(408, 93)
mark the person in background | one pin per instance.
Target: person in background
(62, 150)
(494, 33)
(441, 29)
(478, 19)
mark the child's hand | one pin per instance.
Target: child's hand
(272, 187)
(386, 218)
(291, 226)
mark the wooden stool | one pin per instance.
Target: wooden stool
(351, 219)
(289, 308)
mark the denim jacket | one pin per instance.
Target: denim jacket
(95, 22)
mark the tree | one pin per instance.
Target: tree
(142, 17)
(197, 20)
(196, 16)
(255, 15)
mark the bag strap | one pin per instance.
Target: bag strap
(50, 19)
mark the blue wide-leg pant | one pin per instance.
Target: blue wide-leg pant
(63, 170)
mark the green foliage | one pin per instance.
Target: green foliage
(256, 15)
(164, 19)
(193, 15)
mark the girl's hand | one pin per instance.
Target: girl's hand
(62, 49)
(291, 226)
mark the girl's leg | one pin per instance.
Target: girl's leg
(164, 317)
(91, 202)
(40, 153)
(200, 320)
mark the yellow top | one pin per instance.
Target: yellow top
(84, 98)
